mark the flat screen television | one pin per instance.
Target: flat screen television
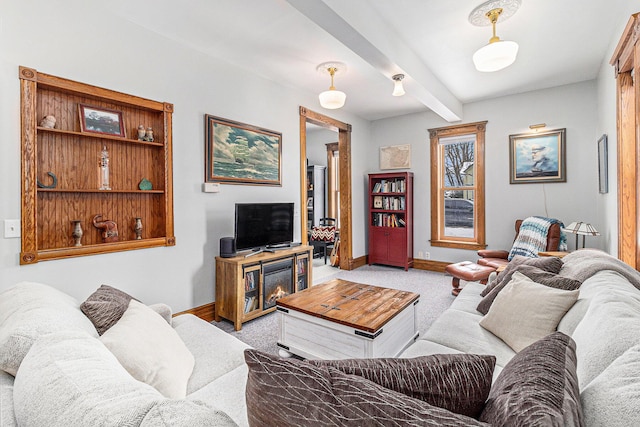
(260, 225)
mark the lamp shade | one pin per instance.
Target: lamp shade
(332, 99)
(583, 228)
(495, 56)
(398, 89)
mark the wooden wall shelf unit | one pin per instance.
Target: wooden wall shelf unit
(242, 294)
(73, 157)
(390, 218)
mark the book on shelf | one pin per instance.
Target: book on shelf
(250, 303)
(390, 186)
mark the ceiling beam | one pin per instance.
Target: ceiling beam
(387, 55)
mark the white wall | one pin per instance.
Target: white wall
(103, 49)
(606, 96)
(572, 107)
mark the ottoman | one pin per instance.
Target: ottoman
(469, 271)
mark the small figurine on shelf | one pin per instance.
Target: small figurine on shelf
(77, 232)
(109, 228)
(138, 228)
(149, 134)
(145, 184)
(103, 169)
(48, 122)
(141, 133)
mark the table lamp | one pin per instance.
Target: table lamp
(581, 228)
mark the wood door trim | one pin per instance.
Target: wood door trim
(344, 163)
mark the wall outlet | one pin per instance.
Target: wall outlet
(427, 255)
(11, 228)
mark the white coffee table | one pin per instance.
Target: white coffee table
(341, 319)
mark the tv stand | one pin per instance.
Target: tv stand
(244, 285)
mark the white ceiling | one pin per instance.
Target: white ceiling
(431, 41)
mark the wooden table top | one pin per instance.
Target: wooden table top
(355, 305)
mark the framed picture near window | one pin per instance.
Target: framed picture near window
(238, 153)
(101, 120)
(537, 157)
(603, 165)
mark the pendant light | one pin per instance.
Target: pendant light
(398, 89)
(498, 54)
(332, 99)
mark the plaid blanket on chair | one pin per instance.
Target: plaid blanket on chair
(532, 237)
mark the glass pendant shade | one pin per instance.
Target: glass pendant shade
(495, 56)
(332, 99)
(398, 89)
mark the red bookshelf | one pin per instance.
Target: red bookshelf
(390, 218)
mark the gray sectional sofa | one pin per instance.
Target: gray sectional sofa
(604, 323)
(66, 376)
(60, 373)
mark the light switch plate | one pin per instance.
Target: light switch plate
(11, 228)
(211, 187)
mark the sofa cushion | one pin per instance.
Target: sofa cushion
(613, 397)
(459, 383)
(609, 327)
(7, 417)
(70, 378)
(289, 392)
(462, 331)
(183, 413)
(105, 307)
(150, 350)
(228, 393)
(538, 387)
(215, 351)
(29, 310)
(547, 263)
(525, 311)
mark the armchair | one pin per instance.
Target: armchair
(323, 236)
(554, 241)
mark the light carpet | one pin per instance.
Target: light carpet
(434, 289)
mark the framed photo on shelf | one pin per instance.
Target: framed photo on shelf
(238, 153)
(377, 202)
(537, 157)
(395, 157)
(603, 165)
(101, 120)
(309, 202)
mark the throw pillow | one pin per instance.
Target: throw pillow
(536, 274)
(459, 383)
(150, 350)
(30, 310)
(538, 387)
(547, 263)
(525, 311)
(323, 233)
(105, 307)
(289, 392)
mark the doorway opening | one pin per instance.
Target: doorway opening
(339, 189)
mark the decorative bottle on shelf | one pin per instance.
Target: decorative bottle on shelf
(77, 232)
(103, 169)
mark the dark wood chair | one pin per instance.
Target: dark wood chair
(323, 236)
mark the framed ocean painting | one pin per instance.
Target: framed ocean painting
(238, 153)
